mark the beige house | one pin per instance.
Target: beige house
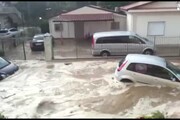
(86, 20)
(149, 19)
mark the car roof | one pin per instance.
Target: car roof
(146, 59)
(39, 35)
(112, 33)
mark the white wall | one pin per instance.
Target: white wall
(68, 30)
(122, 21)
(98, 26)
(89, 27)
(139, 22)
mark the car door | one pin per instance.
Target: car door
(139, 72)
(162, 76)
(135, 45)
(116, 45)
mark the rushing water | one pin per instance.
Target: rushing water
(81, 89)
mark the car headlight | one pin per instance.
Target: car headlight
(3, 76)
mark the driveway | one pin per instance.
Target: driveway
(71, 48)
(80, 90)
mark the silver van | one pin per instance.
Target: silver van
(120, 43)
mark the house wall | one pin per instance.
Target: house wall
(89, 27)
(68, 30)
(3, 21)
(138, 22)
(98, 26)
(122, 21)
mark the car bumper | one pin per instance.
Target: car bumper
(37, 46)
(116, 74)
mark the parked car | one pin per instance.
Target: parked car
(38, 43)
(120, 43)
(7, 68)
(148, 69)
(4, 33)
(13, 31)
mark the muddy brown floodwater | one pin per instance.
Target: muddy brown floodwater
(80, 90)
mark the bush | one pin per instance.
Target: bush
(154, 115)
(2, 116)
(44, 25)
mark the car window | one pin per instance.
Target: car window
(113, 39)
(173, 68)
(39, 38)
(13, 29)
(3, 63)
(121, 61)
(152, 70)
(3, 31)
(134, 39)
(159, 72)
(138, 67)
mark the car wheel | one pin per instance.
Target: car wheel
(105, 53)
(148, 52)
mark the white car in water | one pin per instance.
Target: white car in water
(148, 69)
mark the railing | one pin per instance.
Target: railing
(166, 46)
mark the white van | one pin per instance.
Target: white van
(120, 43)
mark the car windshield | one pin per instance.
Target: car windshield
(173, 68)
(142, 37)
(39, 38)
(3, 63)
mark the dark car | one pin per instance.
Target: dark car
(37, 43)
(7, 68)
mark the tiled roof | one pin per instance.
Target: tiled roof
(84, 17)
(133, 5)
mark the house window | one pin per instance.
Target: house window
(156, 28)
(114, 25)
(58, 27)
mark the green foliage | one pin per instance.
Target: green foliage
(32, 10)
(2, 116)
(44, 25)
(154, 115)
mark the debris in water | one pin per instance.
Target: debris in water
(67, 63)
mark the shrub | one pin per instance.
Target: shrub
(154, 115)
(2, 116)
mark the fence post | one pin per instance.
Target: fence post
(76, 49)
(48, 47)
(3, 51)
(24, 52)
(179, 45)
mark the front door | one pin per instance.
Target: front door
(79, 30)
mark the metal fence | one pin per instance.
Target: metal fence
(166, 46)
(18, 48)
(81, 48)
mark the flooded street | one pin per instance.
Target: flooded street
(85, 89)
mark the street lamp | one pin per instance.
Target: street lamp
(40, 18)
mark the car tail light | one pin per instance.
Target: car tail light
(93, 42)
(120, 67)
